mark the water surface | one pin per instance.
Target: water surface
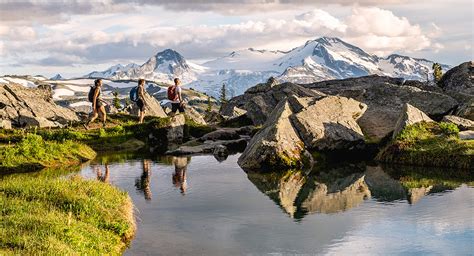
(200, 206)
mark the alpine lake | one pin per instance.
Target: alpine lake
(201, 205)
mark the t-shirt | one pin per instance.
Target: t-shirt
(178, 91)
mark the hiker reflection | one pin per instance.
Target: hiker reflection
(105, 176)
(179, 175)
(143, 184)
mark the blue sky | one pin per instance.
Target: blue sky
(76, 37)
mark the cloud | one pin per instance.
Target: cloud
(111, 38)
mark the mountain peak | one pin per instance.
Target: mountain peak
(57, 77)
(169, 54)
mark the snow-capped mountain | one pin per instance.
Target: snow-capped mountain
(163, 66)
(316, 60)
(57, 77)
(113, 71)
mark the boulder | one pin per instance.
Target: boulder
(175, 130)
(276, 145)
(459, 79)
(466, 109)
(5, 124)
(33, 121)
(213, 117)
(409, 115)
(208, 147)
(231, 111)
(385, 98)
(33, 105)
(222, 134)
(260, 100)
(466, 135)
(462, 123)
(193, 115)
(153, 107)
(330, 124)
(220, 153)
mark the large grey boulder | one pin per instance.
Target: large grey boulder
(385, 98)
(277, 144)
(260, 100)
(175, 130)
(330, 123)
(462, 123)
(193, 115)
(408, 116)
(32, 107)
(152, 107)
(459, 79)
(5, 124)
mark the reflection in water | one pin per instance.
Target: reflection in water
(340, 206)
(143, 183)
(105, 176)
(342, 188)
(179, 175)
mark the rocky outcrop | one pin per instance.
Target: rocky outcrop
(409, 115)
(152, 107)
(208, 147)
(28, 107)
(462, 123)
(330, 123)
(260, 100)
(385, 98)
(277, 144)
(459, 79)
(222, 134)
(193, 115)
(5, 124)
(466, 135)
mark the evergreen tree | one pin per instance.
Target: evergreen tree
(437, 72)
(209, 104)
(223, 97)
(116, 101)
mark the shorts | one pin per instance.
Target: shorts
(177, 106)
(99, 104)
(141, 105)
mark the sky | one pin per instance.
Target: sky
(75, 37)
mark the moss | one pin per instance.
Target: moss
(57, 216)
(193, 129)
(429, 144)
(33, 153)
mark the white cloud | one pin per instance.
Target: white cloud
(111, 37)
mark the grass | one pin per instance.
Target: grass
(57, 216)
(430, 144)
(32, 152)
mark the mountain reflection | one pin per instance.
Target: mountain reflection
(339, 189)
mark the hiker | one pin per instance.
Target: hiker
(179, 175)
(141, 100)
(174, 95)
(143, 183)
(98, 104)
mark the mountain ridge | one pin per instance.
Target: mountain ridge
(318, 59)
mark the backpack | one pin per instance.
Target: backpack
(134, 94)
(172, 95)
(90, 96)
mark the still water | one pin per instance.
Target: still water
(202, 206)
